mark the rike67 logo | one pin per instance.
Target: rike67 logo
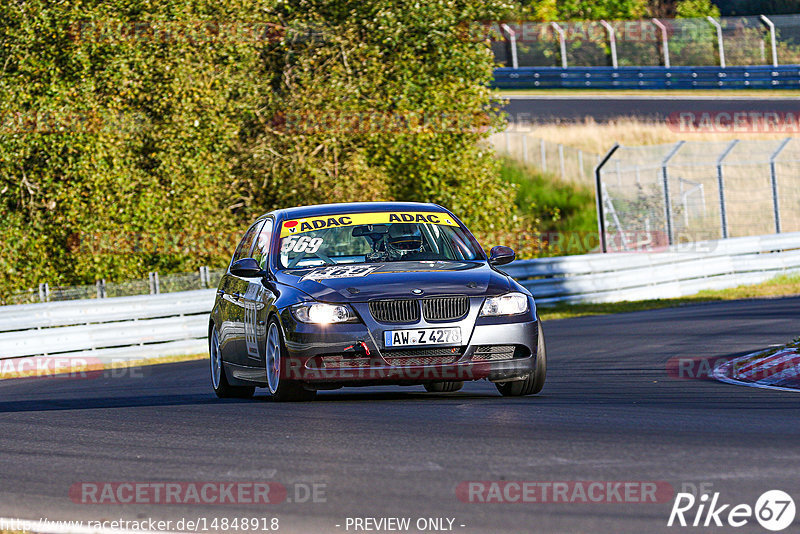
(774, 510)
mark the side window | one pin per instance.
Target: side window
(243, 250)
(261, 250)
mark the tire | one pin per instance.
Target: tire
(534, 383)
(281, 390)
(219, 382)
(443, 387)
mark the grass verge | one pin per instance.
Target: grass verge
(118, 364)
(552, 205)
(780, 286)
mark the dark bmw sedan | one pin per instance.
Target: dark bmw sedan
(321, 297)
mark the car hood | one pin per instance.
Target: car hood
(363, 282)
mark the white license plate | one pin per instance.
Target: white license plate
(422, 336)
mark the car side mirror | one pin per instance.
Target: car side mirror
(247, 268)
(501, 255)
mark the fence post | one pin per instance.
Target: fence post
(667, 203)
(524, 148)
(543, 150)
(774, 179)
(580, 163)
(562, 166)
(562, 43)
(720, 43)
(772, 42)
(612, 42)
(723, 214)
(512, 42)
(508, 142)
(664, 40)
(598, 184)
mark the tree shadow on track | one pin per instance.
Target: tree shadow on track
(93, 403)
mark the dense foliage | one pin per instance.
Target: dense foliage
(142, 135)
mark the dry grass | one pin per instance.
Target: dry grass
(597, 138)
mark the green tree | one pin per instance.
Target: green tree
(696, 8)
(142, 136)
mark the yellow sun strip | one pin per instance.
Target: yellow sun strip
(299, 226)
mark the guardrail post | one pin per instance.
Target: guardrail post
(44, 292)
(772, 42)
(664, 41)
(561, 165)
(723, 214)
(774, 179)
(155, 286)
(562, 43)
(512, 42)
(667, 203)
(100, 285)
(612, 42)
(580, 163)
(720, 43)
(598, 184)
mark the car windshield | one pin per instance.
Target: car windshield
(374, 237)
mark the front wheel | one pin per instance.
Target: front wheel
(279, 388)
(534, 383)
(219, 381)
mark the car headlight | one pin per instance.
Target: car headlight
(508, 304)
(321, 313)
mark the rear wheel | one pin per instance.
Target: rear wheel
(219, 381)
(443, 387)
(281, 389)
(535, 381)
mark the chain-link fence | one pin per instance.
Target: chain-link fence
(154, 284)
(567, 162)
(657, 195)
(654, 196)
(728, 41)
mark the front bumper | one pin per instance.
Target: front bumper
(353, 354)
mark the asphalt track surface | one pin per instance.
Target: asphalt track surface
(609, 412)
(604, 107)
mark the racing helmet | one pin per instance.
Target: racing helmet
(404, 237)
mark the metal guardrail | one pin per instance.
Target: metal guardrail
(654, 275)
(745, 77)
(158, 325)
(116, 328)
